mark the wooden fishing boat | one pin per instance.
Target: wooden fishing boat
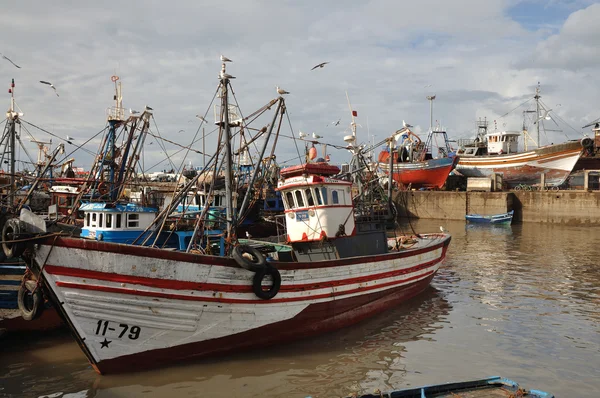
(498, 152)
(490, 387)
(413, 163)
(504, 218)
(131, 306)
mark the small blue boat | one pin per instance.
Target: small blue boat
(504, 218)
(490, 387)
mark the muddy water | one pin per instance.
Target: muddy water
(521, 301)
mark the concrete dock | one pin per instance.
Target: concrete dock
(559, 207)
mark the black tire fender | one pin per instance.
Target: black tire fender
(249, 258)
(259, 276)
(30, 300)
(12, 231)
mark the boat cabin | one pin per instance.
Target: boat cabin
(121, 223)
(316, 205)
(503, 142)
(64, 197)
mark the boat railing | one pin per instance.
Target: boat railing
(281, 227)
(463, 142)
(115, 113)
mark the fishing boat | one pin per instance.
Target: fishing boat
(504, 218)
(13, 292)
(498, 152)
(417, 164)
(413, 164)
(490, 387)
(133, 306)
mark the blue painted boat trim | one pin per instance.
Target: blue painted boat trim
(118, 208)
(456, 387)
(504, 218)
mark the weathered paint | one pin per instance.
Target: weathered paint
(426, 174)
(131, 305)
(555, 161)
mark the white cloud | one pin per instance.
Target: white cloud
(477, 60)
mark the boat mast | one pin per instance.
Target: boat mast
(116, 117)
(230, 211)
(13, 118)
(537, 112)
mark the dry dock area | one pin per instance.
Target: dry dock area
(560, 207)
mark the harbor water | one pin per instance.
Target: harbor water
(520, 301)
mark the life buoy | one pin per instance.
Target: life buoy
(12, 231)
(249, 258)
(257, 282)
(102, 188)
(29, 300)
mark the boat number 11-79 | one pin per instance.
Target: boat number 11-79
(107, 326)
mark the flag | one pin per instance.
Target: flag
(354, 113)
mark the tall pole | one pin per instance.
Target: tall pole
(203, 149)
(537, 112)
(12, 118)
(228, 158)
(431, 98)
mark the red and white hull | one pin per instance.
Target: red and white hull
(431, 173)
(555, 161)
(135, 307)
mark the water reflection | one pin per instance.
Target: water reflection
(354, 359)
(520, 301)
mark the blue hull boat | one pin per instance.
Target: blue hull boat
(490, 387)
(504, 218)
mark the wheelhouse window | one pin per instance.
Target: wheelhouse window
(334, 197)
(118, 223)
(318, 196)
(324, 194)
(100, 216)
(309, 197)
(109, 220)
(299, 200)
(133, 220)
(289, 199)
(87, 219)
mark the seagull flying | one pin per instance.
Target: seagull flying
(148, 108)
(281, 91)
(9, 60)
(336, 123)
(321, 65)
(180, 131)
(133, 112)
(301, 134)
(225, 59)
(316, 136)
(545, 115)
(51, 85)
(406, 125)
(201, 118)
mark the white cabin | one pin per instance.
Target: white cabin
(316, 206)
(503, 142)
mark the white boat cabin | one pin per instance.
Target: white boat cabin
(316, 206)
(503, 142)
(119, 223)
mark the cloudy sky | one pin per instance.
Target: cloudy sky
(480, 59)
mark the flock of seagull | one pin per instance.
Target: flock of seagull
(41, 81)
(280, 91)
(222, 75)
